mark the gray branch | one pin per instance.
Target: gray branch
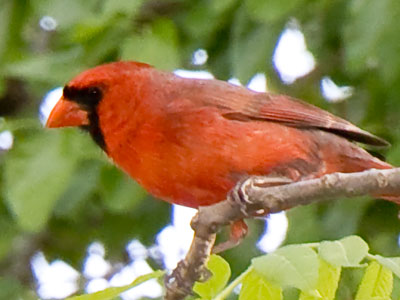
(263, 195)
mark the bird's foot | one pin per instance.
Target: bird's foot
(238, 232)
(239, 194)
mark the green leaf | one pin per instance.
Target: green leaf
(347, 252)
(256, 287)
(87, 29)
(8, 233)
(386, 51)
(377, 283)
(367, 38)
(12, 22)
(82, 185)
(194, 25)
(119, 192)
(293, 266)
(328, 281)
(347, 213)
(19, 124)
(5, 16)
(11, 288)
(53, 68)
(111, 7)
(250, 53)
(270, 10)
(251, 48)
(37, 170)
(220, 275)
(157, 47)
(222, 5)
(362, 31)
(113, 292)
(392, 263)
(310, 229)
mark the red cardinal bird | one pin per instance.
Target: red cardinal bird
(188, 141)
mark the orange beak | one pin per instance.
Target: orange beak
(67, 114)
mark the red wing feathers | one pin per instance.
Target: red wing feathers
(296, 113)
(240, 104)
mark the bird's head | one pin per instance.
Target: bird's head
(81, 97)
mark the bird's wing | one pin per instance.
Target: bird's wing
(241, 104)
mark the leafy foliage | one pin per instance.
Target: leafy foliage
(58, 192)
(270, 274)
(25, 184)
(282, 269)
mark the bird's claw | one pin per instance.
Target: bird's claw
(238, 232)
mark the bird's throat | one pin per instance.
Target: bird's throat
(94, 129)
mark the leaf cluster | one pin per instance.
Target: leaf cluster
(313, 269)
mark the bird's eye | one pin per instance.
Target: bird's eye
(92, 95)
(89, 96)
(93, 91)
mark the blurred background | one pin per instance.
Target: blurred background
(71, 222)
